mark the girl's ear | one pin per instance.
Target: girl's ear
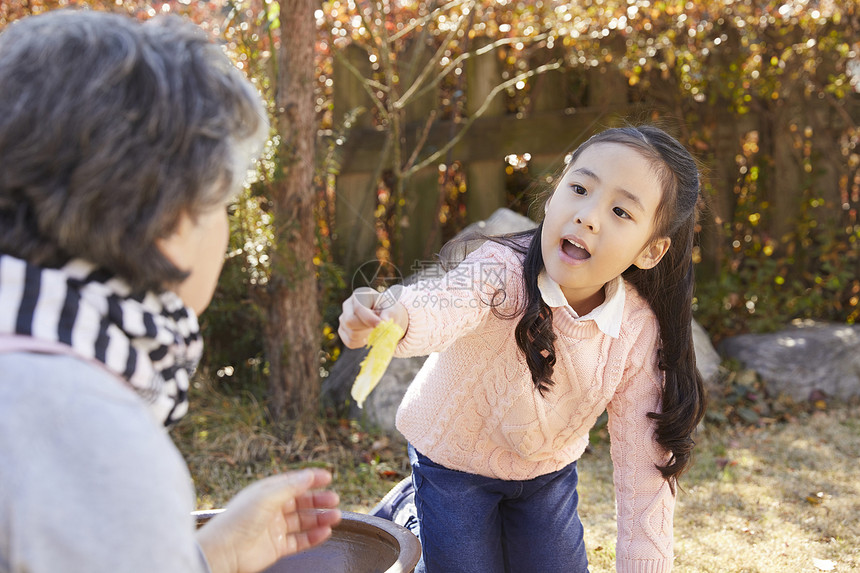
(652, 253)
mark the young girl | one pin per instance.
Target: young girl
(537, 333)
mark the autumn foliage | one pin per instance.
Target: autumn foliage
(751, 86)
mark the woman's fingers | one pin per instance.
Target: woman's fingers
(273, 517)
(291, 485)
(313, 508)
(308, 520)
(308, 514)
(317, 500)
(294, 491)
(308, 539)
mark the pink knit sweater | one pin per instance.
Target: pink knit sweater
(473, 406)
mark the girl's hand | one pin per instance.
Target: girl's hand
(365, 309)
(272, 518)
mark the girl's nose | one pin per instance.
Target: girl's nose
(588, 218)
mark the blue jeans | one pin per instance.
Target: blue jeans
(475, 524)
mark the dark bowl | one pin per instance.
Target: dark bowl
(359, 544)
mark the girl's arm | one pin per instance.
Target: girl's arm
(445, 307)
(438, 309)
(644, 499)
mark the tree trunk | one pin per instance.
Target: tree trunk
(293, 338)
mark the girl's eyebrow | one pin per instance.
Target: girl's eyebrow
(633, 198)
(587, 172)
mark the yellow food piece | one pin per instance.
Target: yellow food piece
(382, 342)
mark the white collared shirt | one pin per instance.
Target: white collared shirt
(607, 316)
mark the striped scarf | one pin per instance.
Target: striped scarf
(151, 340)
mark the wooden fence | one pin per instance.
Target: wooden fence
(562, 114)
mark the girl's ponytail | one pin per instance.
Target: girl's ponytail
(668, 288)
(534, 333)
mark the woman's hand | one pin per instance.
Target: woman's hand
(274, 517)
(365, 309)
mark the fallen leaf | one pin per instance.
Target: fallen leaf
(382, 342)
(723, 462)
(380, 444)
(748, 415)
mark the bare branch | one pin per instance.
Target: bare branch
(454, 140)
(377, 85)
(430, 65)
(368, 195)
(365, 83)
(421, 140)
(835, 103)
(471, 54)
(384, 47)
(375, 39)
(431, 16)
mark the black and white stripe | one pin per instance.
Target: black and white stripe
(151, 340)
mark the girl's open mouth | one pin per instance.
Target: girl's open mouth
(574, 250)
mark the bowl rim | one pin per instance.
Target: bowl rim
(404, 542)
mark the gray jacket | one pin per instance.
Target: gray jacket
(89, 481)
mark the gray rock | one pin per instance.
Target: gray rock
(805, 358)
(337, 385)
(381, 406)
(707, 358)
(503, 221)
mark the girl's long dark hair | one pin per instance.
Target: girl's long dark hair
(668, 289)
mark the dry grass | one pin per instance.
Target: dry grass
(781, 497)
(228, 443)
(785, 497)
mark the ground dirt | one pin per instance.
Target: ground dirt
(773, 496)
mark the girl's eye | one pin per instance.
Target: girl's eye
(578, 189)
(621, 212)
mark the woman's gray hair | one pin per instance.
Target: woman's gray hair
(109, 129)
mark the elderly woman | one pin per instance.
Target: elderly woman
(120, 145)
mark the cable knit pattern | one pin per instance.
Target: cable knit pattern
(473, 406)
